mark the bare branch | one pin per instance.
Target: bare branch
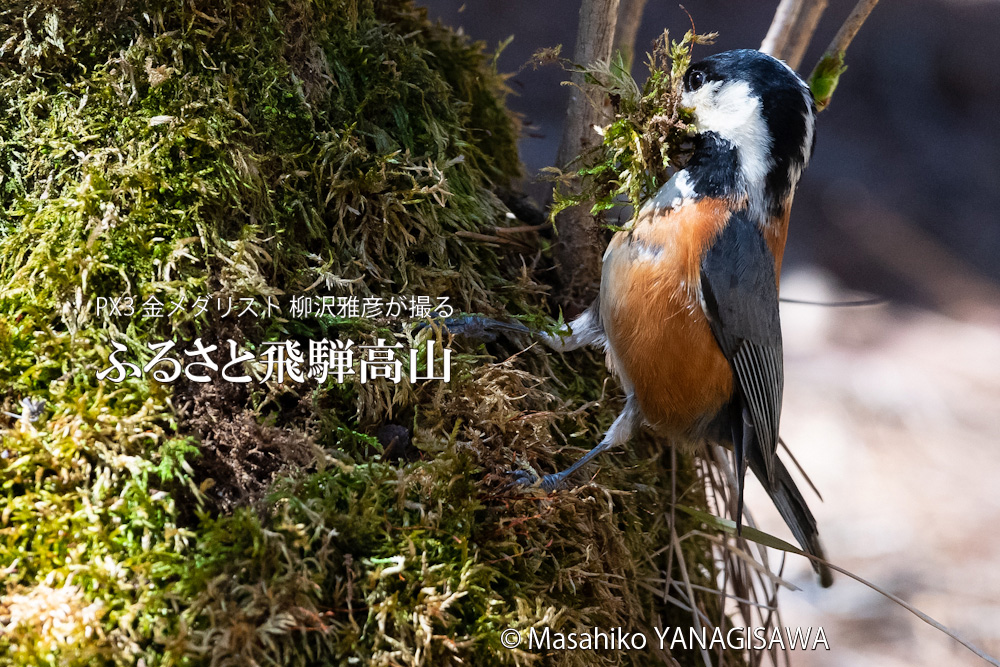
(851, 26)
(579, 249)
(792, 29)
(629, 19)
(826, 74)
(781, 26)
(800, 39)
(594, 42)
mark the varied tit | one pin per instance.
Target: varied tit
(688, 305)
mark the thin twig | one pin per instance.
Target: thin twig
(522, 229)
(799, 41)
(846, 34)
(792, 29)
(486, 238)
(826, 74)
(784, 20)
(696, 613)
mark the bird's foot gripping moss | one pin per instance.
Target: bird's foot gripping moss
(521, 479)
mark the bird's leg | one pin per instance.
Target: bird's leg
(584, 330)
(478, 328)
(621, 430)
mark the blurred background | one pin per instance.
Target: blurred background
(894, 410)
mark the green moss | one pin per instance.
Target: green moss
(218, 149)
(646, 135)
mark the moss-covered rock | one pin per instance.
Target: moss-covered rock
(217, 150)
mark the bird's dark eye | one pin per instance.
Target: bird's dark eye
(695, 79)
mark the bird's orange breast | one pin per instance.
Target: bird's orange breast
(775, 235)
(659, 339)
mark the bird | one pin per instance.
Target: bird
(687, 311)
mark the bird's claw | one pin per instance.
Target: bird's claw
(519, 479)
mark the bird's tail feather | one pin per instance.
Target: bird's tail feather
(794, 510)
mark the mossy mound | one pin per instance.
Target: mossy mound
(222, 150)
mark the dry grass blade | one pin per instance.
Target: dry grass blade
(916, 612)
(745, 590)
(768, 540)
(798, 466)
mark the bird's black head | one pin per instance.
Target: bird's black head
(759, 106)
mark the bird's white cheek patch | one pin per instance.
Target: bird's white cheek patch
(731, 110)
(723, 107)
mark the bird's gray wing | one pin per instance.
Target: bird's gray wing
(740, 298)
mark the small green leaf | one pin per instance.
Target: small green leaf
(752, 534)
(825, 78)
